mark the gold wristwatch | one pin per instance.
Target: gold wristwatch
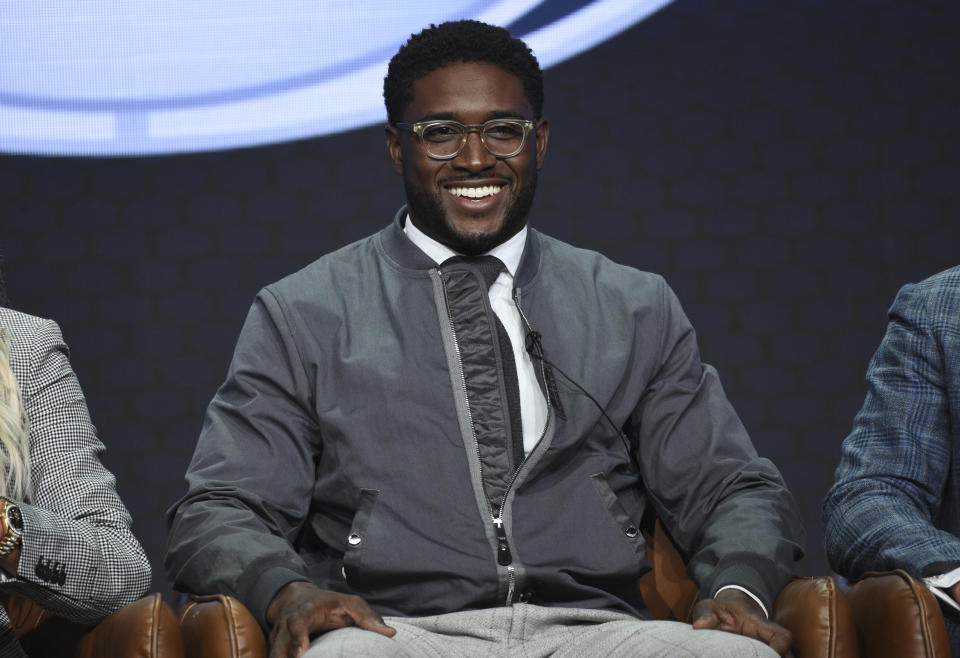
(13, 522)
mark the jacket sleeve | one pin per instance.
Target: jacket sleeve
(251, 477)
(728, 510)
(78, 558)
(894, 465)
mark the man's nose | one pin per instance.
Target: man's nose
(474, 155)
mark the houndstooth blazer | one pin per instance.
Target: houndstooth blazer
(78, 559)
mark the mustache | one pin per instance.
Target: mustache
(474, 177)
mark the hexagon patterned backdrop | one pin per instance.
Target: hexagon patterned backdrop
(786, 165)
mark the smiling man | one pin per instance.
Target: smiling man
(443, 439)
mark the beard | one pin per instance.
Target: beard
(431, 218)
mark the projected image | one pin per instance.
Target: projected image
(106, 78)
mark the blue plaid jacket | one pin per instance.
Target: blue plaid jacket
(896, 498)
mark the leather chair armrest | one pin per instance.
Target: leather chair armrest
(219, 626)
(818, 616)
(25, 615)
(146, 628)
(896, 615)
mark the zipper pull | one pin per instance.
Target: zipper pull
(503, 549)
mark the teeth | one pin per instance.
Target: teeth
(476, 192)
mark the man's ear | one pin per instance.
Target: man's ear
(543, 136)
(393, 148)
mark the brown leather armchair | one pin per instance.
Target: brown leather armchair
(146, 628)
(895, 616)
(813, 609)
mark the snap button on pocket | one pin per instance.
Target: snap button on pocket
(354, 539)
(631, 531)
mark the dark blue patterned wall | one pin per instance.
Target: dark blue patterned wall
(786, 165)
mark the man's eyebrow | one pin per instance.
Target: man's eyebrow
(505, 114)
(449, 116)
(438, 116)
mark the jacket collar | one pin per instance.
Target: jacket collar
(404, 253)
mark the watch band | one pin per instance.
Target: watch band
(13, 522)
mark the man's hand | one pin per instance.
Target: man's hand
(735, 612)
(302, 608)
(954, 592)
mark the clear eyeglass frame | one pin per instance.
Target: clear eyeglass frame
(421, 127)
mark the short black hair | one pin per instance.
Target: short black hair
(453, 42)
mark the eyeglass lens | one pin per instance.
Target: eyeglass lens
(503, 138)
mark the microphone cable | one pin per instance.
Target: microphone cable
(534, 348)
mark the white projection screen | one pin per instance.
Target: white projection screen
(131, 77)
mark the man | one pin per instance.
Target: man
(393, 438)
(896, 500)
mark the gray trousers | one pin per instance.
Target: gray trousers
(530, 631)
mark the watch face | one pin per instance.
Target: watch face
(14, 518)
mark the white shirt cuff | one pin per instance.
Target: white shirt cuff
(948, 579)
(937, 584)
(751, 595)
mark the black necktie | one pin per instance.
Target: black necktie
(490, 268)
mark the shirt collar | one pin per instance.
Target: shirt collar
(509, 252)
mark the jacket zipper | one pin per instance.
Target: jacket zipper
(463, 379)
(504, 557)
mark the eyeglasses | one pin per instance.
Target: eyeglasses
(444, 140)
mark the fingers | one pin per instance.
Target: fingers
(770, 633)
(289, 639)
(377, 626)
(709, 620)
(780, 641)
(364, 617)
(954, 591)
(708, 614)
(704, 615)
(773, 635)
(299, 634)
(300, 609)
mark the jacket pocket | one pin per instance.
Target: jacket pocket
(629, 525)
(357, 538)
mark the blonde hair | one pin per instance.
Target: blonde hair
(14, 431)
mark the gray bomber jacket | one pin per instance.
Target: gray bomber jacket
(358, 442)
